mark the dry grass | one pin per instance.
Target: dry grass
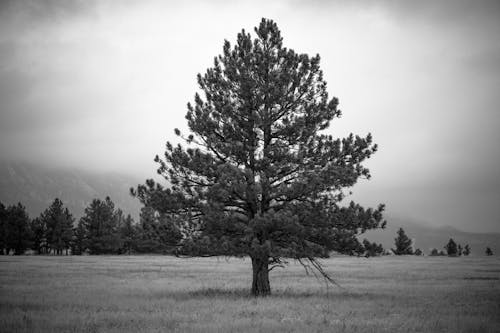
(162, 294)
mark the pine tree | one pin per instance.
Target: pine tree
(489, 252)
(39, 236)
(259, 177)
(372, 249)
(169, 235)
(128, 234)
(466, 251)
(346, 242)
(148, 240)
(459, 250)
(101, 227)
(79, 241)
(418, 252)
(59, 226)
(18, 232)
(451, 248)
(403, 243)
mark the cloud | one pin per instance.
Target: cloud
(40, 11)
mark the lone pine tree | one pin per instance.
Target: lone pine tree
(258, 177)
(402, 243)
(451, 248)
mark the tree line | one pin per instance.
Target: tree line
(103, 229)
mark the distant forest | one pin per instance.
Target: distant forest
(105, 229)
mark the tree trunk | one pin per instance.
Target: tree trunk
(260, 283)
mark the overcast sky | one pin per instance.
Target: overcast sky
(101, 85)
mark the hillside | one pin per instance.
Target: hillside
(36, 187)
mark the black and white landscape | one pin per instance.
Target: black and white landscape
(243, 166)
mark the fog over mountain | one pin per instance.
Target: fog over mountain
(36, 187)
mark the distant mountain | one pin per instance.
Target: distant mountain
(427, 237)
(36, 187)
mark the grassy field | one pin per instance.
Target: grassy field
(163, 294)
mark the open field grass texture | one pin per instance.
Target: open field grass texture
(165, 294)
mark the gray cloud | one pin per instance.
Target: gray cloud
(38, 11)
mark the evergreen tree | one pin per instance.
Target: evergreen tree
(79, 242)
(459, 250)
(128, 235)
(18, 232)
(372, 249)
(466, 251)
(101, 227)
(59, 226)
(169, 235)
(148, 240)
(489, 252)
(259, 177)
(39, 238)
(403, 243)
(119, 219)
(3, 229)
(451, 248)
(359, 250)
(347, 243)
(418, 252)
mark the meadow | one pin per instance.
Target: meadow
(165, 294)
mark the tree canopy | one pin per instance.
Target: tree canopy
(259, 176)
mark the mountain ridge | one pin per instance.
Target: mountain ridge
(36, 187)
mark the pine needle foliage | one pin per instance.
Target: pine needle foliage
(258, 176)
(403, 244)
